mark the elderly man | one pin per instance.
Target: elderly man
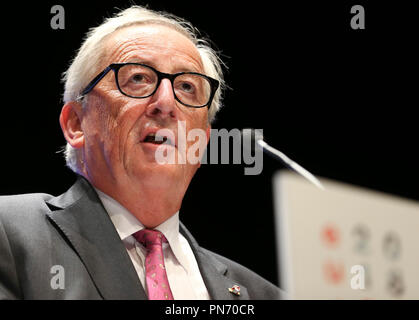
(115, 234)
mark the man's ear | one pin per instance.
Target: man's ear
(70, 121)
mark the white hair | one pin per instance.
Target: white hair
(87, 60)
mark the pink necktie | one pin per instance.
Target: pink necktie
(156, 277)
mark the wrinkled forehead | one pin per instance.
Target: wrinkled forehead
(145, 39)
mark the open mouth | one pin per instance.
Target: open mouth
(158, 139)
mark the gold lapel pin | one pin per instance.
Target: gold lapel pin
(235, 290)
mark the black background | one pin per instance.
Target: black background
(341, 102)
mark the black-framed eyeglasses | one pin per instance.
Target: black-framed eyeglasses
(137, 80)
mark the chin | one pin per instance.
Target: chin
(159, 175)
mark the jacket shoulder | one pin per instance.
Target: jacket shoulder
(22, 207)
(20, 220)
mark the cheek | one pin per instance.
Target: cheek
(197, 123)
(107, 122)
(197, 118)
(119, 114)
(196, 139)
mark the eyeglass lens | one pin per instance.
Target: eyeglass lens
(140, 82)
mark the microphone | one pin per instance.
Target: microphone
(276, 154)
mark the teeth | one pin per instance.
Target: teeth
(152, 138)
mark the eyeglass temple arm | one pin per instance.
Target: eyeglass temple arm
(95, 81)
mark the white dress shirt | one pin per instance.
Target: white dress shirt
(183, 273)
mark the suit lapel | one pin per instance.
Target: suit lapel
(214, 272)
(80, 216)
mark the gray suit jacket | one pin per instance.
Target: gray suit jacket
(39, 232)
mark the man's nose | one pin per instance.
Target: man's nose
(163, 102)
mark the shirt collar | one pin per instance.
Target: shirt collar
(126, 224)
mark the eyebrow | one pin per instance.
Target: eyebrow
(151, 64)
(142, 61)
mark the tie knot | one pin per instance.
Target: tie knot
(149, 238)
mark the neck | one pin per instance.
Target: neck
(151, 206)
